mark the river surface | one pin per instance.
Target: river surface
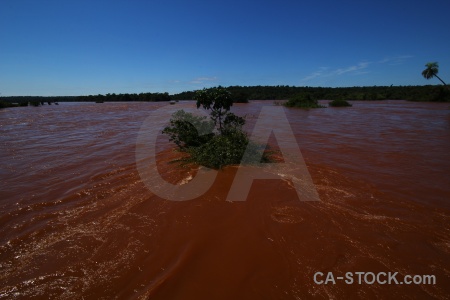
(77, 221)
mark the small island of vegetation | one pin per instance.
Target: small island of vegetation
(215, 142)
(303, 101)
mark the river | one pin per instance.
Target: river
(77, 221)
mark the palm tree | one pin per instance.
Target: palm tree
(431, 71)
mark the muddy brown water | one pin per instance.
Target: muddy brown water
(76, 220)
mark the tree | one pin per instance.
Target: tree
(431, 71)
(187, 130)
(199, 138)
(219, 101)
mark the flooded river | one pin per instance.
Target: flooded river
(77, 221)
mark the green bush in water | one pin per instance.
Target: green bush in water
(304, 100)
(218, 142)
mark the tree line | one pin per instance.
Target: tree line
(148, 97)
(283, 92)
(279, 92)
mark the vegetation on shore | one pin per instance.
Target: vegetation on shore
(5, 104)
(305, 97)
(242, 94)
(284, 92)
(144, 97)
(215, 142)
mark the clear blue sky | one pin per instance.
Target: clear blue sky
(67, 47)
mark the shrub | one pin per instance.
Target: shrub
(221, 150)
(224, 150)
(217, 142)
(232, 123)
(304, 100)
(183, 130)
(218, 100)
(339, 103)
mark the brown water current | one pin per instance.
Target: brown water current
(77, 221)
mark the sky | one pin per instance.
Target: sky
(69, 48)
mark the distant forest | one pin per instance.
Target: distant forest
(280, 92)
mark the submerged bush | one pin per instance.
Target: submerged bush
(339, 103)
(226, 149)
(218, 142)
(183, 130)
(304, 100)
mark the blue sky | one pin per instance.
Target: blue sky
(66, 47)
